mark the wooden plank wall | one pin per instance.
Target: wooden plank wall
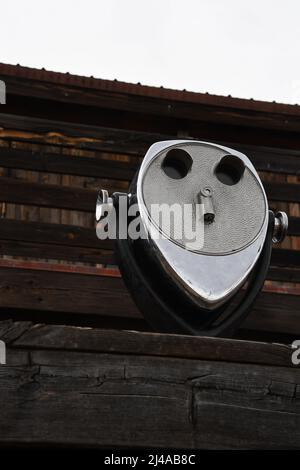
(52, 265)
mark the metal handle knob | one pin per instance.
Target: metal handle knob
(281, 223)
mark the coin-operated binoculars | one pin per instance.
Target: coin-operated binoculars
(196, 236)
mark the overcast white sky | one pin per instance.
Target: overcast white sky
(245, 48)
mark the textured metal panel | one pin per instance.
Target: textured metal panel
(240, 209)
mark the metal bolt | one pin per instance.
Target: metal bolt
(103, 205)
(281, 223)
(206, 191)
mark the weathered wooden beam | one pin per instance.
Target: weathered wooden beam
(96, 167)
(51, 251)
(29, 80)
(73, 198)
(286, 258)
(56, 252)
(286, 192)
(275, 312)
(39, 265)
(67, 387)
(284, 274)
(57, 234)
(167, 108)
(120, 140)
(68, 242)
(69, 134)
(53, 241)
(47, 291)
(71, 293)
(283, 161)
(164, 403)
(294, 226)
(46, 195)
(275, 160)
(71, 338)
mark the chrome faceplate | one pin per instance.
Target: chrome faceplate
(212, 274)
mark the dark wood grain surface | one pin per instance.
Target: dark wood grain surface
(91, 388)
